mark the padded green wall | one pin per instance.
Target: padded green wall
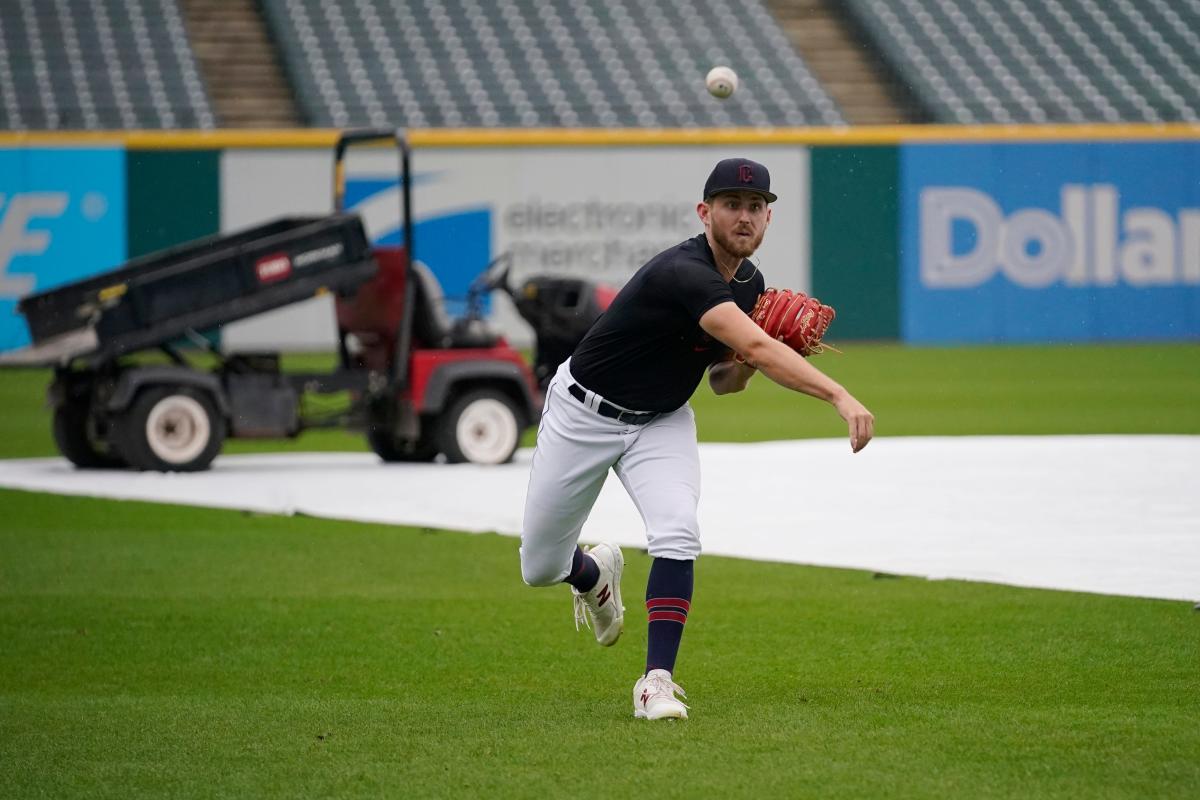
(173, 196)
(855, 239)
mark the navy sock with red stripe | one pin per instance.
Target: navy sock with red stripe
(668, 600)
(585, 572)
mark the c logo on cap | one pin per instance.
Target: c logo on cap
(745, 174)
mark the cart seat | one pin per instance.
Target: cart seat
(433, 327)
(373, 313)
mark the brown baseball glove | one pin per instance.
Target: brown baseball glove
(794, 318)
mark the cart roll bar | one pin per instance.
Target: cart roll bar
(361, 136)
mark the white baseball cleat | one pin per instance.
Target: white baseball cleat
(654, 697)
(600, 609)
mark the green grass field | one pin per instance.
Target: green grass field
(158, 651)
(150, 651)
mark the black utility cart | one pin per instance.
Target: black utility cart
(114, 409)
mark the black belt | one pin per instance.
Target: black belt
(607, 409)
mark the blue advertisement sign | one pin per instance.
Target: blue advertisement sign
(454, 243)
(62, 217)
(1050, 242)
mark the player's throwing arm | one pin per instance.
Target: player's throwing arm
(787, 366)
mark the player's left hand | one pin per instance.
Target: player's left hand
(860, 421)
(794, 318)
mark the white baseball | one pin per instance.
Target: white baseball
(721, 82)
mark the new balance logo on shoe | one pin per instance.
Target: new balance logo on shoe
(600, 608)
(654, 697)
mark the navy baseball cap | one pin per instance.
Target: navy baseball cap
(739, 175)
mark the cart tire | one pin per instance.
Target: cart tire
(171, 429)
(74, 435)
(385, 445)
(482, 427)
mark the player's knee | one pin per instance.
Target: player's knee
(539, 571)
(539, 576)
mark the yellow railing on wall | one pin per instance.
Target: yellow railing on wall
(625, 137)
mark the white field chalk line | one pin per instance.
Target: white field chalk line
(1107, 514)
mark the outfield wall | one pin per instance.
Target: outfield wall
(926, 234)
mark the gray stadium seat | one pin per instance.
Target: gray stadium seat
(541, 63)
(98, 64)
(1032, 61)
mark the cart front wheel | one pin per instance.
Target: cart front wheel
(481, 427)
(171, 429)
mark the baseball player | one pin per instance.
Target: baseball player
(620, 402)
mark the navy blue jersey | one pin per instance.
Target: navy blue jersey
(648, 352)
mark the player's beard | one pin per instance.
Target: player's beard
(738, 245)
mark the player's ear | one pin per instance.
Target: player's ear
(704, 211)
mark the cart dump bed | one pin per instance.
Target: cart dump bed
(198, 285)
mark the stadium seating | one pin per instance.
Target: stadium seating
(1021, 61)
(98, 64)
(533, 63)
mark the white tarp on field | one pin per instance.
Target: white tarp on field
(1108, 514)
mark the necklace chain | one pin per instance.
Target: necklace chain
(745, 280)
